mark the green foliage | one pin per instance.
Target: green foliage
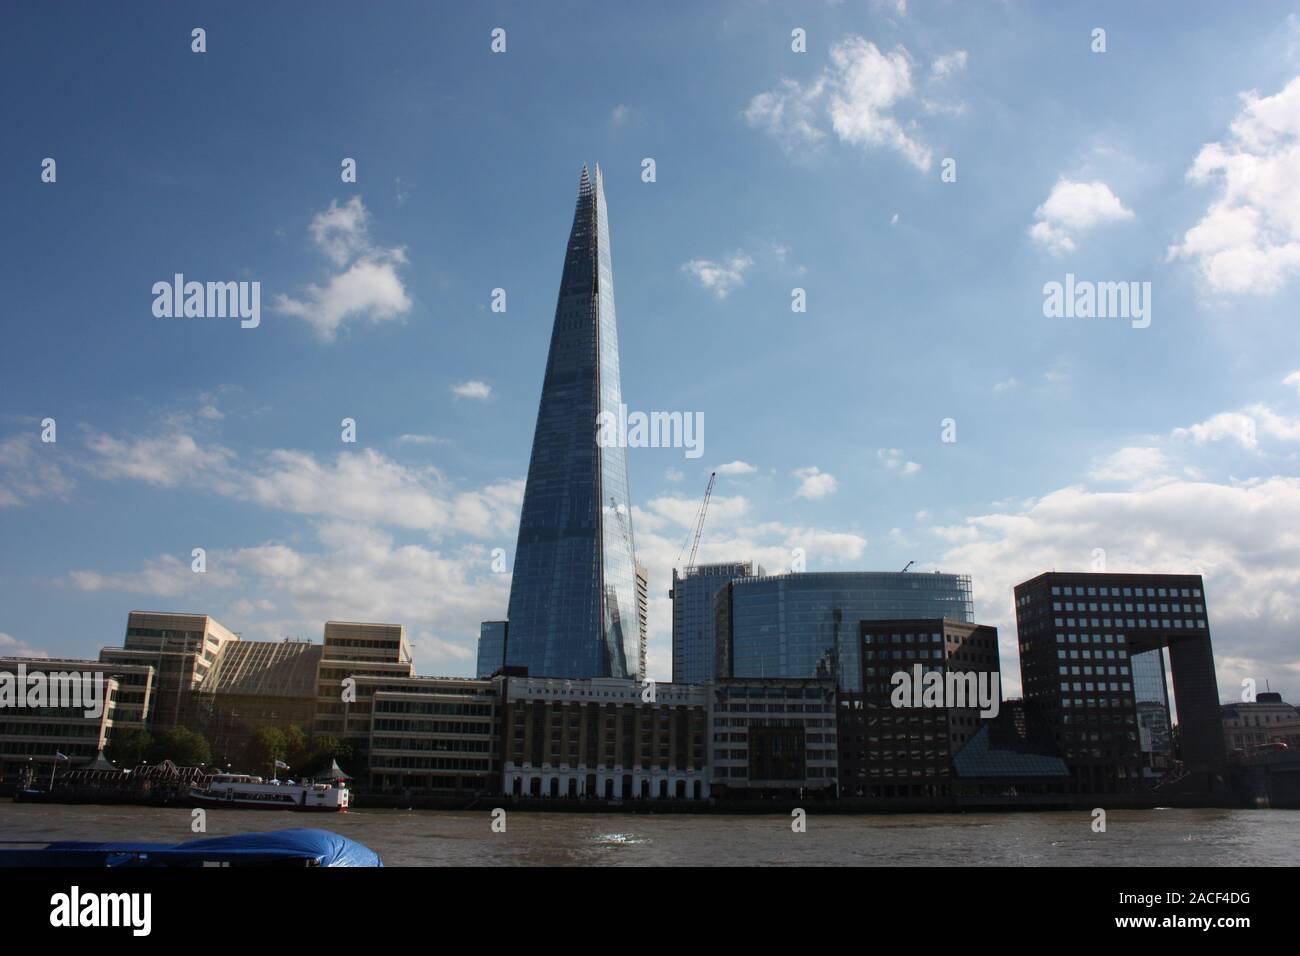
(128, 746)
(183, 747)
(267, 745)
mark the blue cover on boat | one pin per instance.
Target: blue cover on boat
(321, 847)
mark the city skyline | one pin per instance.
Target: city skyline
(1168, 448)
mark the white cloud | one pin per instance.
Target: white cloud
(814, 483)
(858, 93)
(1131, 464)
(733, 468)
(1248, 241)
(10, 646)
(789, 113)
(1224, 426)
(1244, 538)
(29, 469)
(164, 461)
(619, 116)
(868, 84)
(472, 389)
(367, 288)
(1274, 425)
(895, 462)
(948, 64)
(360, 485)
(1293, 380)
(423, 440)
(719, 277)
(341, 232)
(354, 572)
(1073, 208)
(164, 576)
(1005, 385)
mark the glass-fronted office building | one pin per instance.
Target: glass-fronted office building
(491, 647)
(806, 624)
(573, 601)
(694, 651)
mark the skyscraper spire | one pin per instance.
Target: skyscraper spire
(573, 603)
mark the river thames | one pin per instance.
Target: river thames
(442, 838)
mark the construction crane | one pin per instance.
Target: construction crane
(698, 527)
(909, 564)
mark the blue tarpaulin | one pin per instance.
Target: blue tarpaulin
(307, 847)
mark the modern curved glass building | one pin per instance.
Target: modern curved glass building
(573, 598)
(806, 624)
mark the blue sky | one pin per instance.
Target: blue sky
(1171, 158)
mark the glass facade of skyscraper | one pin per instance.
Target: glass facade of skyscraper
(573, 603)
(491, 647)
(806, 625)
(694, 651)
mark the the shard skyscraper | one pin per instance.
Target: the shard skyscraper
(573, 600)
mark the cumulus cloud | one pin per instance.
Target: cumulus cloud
(1244, 538)
(1248, 241)
(362, 485)
(351, 572)
(1071, 209)
(1293, 380)
(163, 461)
(368, 287)
(734, 468)
(814, 483)
(857, 93)
(719, 277)
(1244, 427)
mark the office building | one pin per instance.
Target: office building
(353, 651)
(253, 685)
(693, 592)
(806, 624)
(1095, 646)
(605, 738)
(434, 735)
(34, 729)
(573, 602)
(773, 738)
(1267, 720)
(901, 742)
(181, 649)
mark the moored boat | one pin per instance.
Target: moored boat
(237, 791)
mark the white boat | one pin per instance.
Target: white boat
(244, 792)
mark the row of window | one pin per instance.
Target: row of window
(1078, 591)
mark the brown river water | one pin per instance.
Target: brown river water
(444, 838)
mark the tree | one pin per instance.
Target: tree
(183, 747)
(297, 747)
(129, 746)
(267, 745)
